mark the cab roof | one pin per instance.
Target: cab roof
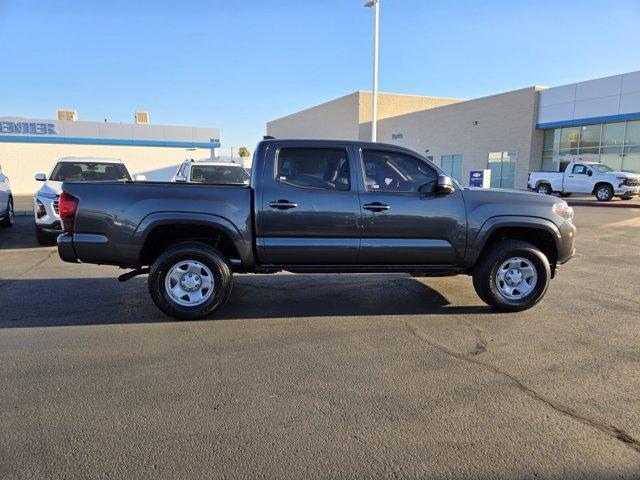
(90, 159)
(215, 163)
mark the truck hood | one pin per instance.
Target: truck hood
(490, 202)
(51, 188)
(633, 176)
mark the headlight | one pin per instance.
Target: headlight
(563, 210)
(40, 210)
(621, 181)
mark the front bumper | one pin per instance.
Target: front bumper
(65, 248)
(627, 191)
(50, 221)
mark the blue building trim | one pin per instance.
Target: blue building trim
(590, 120)
(105, 141)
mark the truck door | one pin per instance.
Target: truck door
(578, 180)
(309, 211)
(404, 222)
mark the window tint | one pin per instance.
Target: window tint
(395, 172)
(579, 169)
(88, 172)
(219, 174)
(320, 168)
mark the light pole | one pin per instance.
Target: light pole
(374, 109)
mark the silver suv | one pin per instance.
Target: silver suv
(69, 169)
(211, 172)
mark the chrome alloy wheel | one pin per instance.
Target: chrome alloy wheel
(602, 193)
(516, 278)
(189, 283)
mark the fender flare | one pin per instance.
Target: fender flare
(605, 182)
(475, 246)
(157, 219)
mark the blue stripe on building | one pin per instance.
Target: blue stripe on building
(576, 122)
(106, 141)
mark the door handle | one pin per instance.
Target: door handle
(282, 204)
(376, 207)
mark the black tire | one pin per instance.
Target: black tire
(44, 238)
(183, 252)
(603, 192)
(544, 189)
(9, 217)
(484, 275)
(626, 198)
(565, 194)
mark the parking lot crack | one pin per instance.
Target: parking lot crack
(33, 267)
(611, 430)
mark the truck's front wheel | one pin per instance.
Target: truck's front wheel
(604, 193)
(512, 276)
(190, 281)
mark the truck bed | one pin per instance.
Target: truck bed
(114, 219)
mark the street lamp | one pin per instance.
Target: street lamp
(375, 4)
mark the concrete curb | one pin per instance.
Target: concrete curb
(595, 203)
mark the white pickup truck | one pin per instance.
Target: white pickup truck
(587, 177)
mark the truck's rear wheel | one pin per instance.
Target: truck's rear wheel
(512, 276)
(190, 281)
(544, 188)
(604, 193)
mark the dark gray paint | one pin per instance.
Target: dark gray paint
(327, 231)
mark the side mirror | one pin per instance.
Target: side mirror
(590, 173)
(180, 179)
(444, 185)
(141, 178)
(40, 177)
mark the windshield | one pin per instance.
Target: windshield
(219, 174)
(89, 172)
(601, 168)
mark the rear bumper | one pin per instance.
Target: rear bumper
(65, 248)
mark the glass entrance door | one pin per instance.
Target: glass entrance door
(503, 169)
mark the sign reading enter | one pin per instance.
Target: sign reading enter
(28, 128)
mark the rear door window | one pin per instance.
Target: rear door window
(315, 168)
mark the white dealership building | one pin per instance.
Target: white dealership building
(512, 133)
(29, 146)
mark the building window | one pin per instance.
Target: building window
(503, 169)
(452, 166)
(615, 144)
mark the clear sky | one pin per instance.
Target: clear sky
(237, 64)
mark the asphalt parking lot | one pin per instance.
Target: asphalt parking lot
(323, 376)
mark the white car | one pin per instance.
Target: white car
(69, 169)
(6, 201)
(587, 177)
(212, 172)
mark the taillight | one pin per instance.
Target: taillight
(67, 207)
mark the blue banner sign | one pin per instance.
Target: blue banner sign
(476, 178)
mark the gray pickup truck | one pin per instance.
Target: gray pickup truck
(318, 206)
